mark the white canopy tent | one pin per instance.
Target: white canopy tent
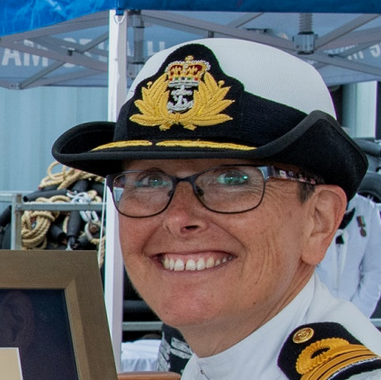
(345, 48)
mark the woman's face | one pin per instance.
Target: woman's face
(197, 268)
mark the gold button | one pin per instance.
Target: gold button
(303, 335)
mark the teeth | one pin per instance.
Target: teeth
(201, 264)
(192, 265)
(179, 265)
(210, 263)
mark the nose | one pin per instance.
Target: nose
(185, 214)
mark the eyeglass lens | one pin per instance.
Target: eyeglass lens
(225, 189)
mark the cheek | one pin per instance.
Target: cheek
(284, 218)
(275, 240)
(273, 258)
(133, 236)
(132, 232)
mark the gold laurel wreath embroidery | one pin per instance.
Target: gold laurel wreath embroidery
(309, 359)
(209, 102)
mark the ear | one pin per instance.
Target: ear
(326, 209)
(16, 320)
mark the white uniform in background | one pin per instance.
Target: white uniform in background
(351, 268)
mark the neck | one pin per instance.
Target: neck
(210, 338)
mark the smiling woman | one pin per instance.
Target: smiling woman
(187, 232)
(219, 225)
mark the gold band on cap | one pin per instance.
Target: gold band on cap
(203, 144)
(123, 144)
(175, 143)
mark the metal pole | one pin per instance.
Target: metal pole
(113, 257)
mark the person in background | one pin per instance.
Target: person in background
(174, 352)
(231, 176)
(351, 268)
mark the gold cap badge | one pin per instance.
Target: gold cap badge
(185, 94)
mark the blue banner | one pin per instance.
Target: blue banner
(309, 6)
(20, 16)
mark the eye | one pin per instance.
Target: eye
(152, 180)
(232, 178)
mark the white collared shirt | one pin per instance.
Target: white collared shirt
(256, 356)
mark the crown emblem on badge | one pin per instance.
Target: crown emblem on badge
(183, 76)
(186, 72)
(185, 94)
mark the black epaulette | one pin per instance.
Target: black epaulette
(325, 351)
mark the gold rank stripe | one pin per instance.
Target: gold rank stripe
(175, 143)
(123, 144)
(344, 358)
(203, 144)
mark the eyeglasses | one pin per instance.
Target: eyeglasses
(227, 189)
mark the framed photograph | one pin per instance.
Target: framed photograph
(52, 311)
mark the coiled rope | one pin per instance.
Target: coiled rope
(66, 177)
(35, 224)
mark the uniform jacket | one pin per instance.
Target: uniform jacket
(351, 268)
(256, 357)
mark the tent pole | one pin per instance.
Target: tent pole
(117, 89)
(360, 108)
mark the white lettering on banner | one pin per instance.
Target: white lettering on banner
(35, 58)
(17, 58)
(150, 50)
(375, 50)
(13, 57)
(81, 41)
(355, 56)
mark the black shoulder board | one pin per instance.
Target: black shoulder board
(325, 351)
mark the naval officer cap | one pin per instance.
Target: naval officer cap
(222, 98)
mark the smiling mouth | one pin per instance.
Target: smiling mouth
(181, 264)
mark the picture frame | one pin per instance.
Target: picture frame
(75, 277)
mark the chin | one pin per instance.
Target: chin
(186, 315)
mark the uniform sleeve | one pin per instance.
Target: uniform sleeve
(374, 375)
(327, 350)
(369, 288)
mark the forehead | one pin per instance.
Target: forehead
(191, 165)
(194, 165)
